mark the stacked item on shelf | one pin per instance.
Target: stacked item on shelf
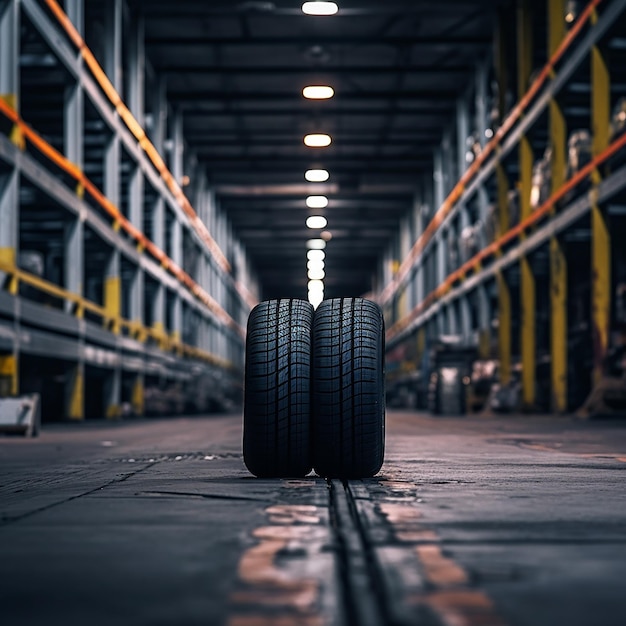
(541, 180)
(492, 224)
(579, 154)
(470, 241)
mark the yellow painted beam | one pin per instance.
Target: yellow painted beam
(524, 46)
(76, 394)
(402, 304)
(16, 136)
(137, 398)
(114, 411)
(484, 343)
(556, 24)
(558, 260)
(9, 375)
(528, 332)
(7, 260)
(113, 301)
(502, 183)
(527, 279)
(600, 237)
(558, 326)
(504, 328)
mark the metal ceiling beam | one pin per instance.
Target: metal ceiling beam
(294, 141)
(324, 40)
(276, 70)
(440, 111)
(287, 96)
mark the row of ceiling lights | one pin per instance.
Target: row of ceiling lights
(315, 253)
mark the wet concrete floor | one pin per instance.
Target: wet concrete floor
(472, 521)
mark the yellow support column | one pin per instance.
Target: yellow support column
(558, 260)
(504, 328)
(527, 279)
(502, 181)
(112, 302)
(76, 394)
(9, 375)
(7, 259)
(137, 399)
(601, 239)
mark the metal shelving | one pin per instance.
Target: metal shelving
(511, 295)
(114, 284)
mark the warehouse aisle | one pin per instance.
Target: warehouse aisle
(514, 520)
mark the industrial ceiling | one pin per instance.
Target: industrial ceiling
(236, 71)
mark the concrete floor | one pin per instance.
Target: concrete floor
(472, 521)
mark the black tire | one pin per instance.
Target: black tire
(277, 394)
(348, 388)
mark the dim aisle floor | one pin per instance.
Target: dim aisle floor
(512, 520)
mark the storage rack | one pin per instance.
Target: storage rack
(542, 294)
(120, 291)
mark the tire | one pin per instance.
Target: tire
(348, 388)
(277, 389)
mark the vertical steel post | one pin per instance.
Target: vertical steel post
(504, 328)
(9, 182)
(158, 235)
(158, 209)
(177, 227)
(136, 89)
(74, 238)
(558, 260)
(112, 167)
(600, 236)
(502, 182)
(439, 251)
(527, 279)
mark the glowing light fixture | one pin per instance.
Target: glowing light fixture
(316, 221)
(317, 202)
(319, 8)
(315, 255)
(316, 274)
(318, 92)
(315, 244)
(315, 265)
(316, 286)
(317, 140)
(326, 235)
(317, 176)
(316, 298)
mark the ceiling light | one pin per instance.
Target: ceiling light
(319, 8)
(317, 140)
(315, 265)
(316, 285)
(317, 202)
(317, 176)
(326, 235)
(316, 221)
(316, 298)
(315, 255)
(315, 244)
(318, 92)
(316, 274)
